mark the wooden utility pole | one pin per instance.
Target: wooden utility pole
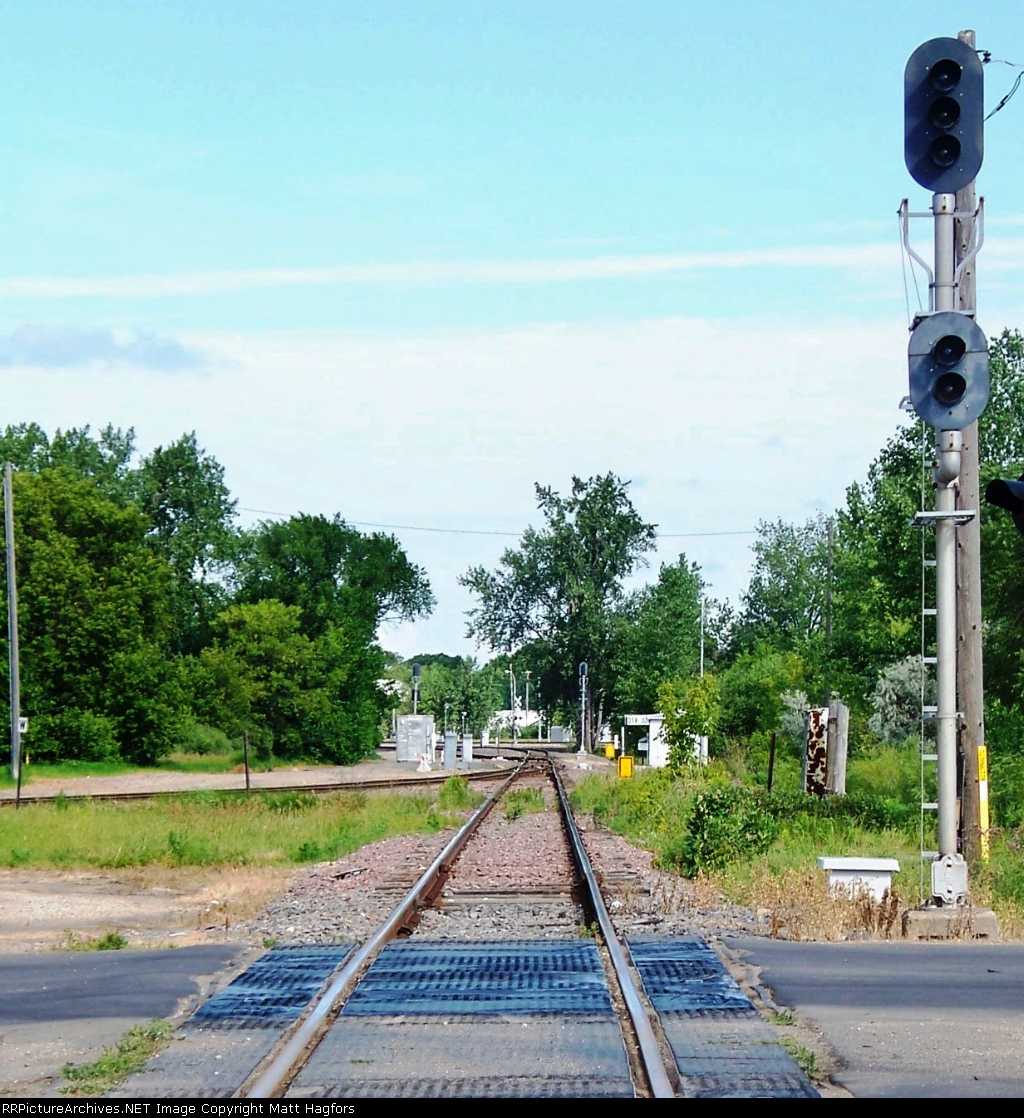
(969, 675)
(12, 626)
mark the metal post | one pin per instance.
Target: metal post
(526, 723)
(945, 473)
(702, 638)
(12, 625)
(512, 700)
(828, 615)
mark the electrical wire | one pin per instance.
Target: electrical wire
(488, 532)
(903, 266)
(1013, 90)
(986, 57)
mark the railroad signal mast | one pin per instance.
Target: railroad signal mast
(948, 367)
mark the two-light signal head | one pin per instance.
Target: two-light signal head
(948, 357)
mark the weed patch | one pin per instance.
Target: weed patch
(130, 1053)
(522, 801)
(804, 1057)
(109, 941)
(456, 795)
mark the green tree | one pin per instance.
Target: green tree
(457, 682)
(752, 687)
(181, 490)
(256, 671)
(692, 709)
(344, 586)
(333, 574)
(104, 459)
(786, 600)
(877, 579)
(560, 590)
(657, 637)
(1001, 431)
(94, 622)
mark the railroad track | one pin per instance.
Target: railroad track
(446, 1000)
(391, 783)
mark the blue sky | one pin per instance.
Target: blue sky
(402, 260)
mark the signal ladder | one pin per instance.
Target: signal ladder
(929, 660)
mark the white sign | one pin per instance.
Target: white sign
(640, 719)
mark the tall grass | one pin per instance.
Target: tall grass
(879, 818)
(209, 829)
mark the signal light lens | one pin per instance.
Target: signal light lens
(944, 113)
(949, 389)
(945, 151)
(949, 351)
(945, 75)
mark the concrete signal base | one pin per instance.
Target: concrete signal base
(964, 922)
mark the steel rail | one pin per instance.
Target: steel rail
(277, 1075)
(650, 1052)
(334, 786)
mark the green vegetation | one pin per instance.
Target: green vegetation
(761, 849)
(456, 795)
(153, 628)
(521, 801)
(109, 941)
(131, 1052)
(210, 829)
(832, 608)
(804, 1057)
(561, 589)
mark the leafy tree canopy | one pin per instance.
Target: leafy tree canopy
(559, 590)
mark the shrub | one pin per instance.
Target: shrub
(724, 826)
(204, 740)
(455, 794)
(71, 735)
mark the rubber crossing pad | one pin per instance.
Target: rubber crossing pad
(686, 977)
(446, 977)
(722, 1047)
(484, 1087)
(273, 991)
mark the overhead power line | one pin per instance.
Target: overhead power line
(489, 532)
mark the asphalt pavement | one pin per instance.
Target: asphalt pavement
(906, 1020)
(59, 1007)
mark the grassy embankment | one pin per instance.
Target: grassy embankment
(219, 829)
(742, 844)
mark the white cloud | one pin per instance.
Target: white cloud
(67, 347)
(718, 424)
(423, 274)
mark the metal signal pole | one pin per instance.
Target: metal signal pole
(945, 474)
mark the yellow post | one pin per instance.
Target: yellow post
(625, 766)
(983, 800)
